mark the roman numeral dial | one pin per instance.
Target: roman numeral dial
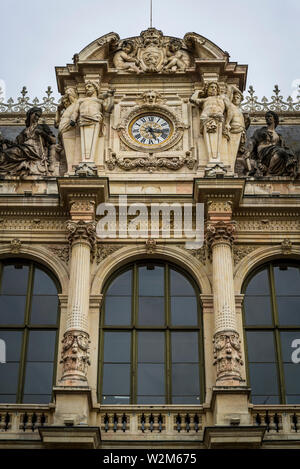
(150, 130)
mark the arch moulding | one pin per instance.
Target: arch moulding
(43, 256)
(257, 258)
(130, 254)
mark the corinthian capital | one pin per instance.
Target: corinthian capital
(228, 356)
(219, 232)
(82, 231)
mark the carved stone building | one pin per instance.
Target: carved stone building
(139, 341)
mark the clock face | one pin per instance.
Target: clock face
(150, 130)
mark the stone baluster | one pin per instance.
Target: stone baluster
(75, 351)
(227, 348)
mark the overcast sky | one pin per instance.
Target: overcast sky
(37, 35)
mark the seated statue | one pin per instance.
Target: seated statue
(268, 151)
(34, 150)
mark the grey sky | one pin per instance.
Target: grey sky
(37, 35)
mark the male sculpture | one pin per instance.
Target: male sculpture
(88, 113)
(215, 117)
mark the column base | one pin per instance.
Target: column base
(72, 405)
(230, 405)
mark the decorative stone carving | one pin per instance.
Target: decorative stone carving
(239, 252)
(62, 253)
(88, 114)
(286, 246)
(199, 254)
(151, 163)
(223, 231)
(151, 53)
(104, 250)
(268, 153)
(125, 58)
(75, 355)
(82, 231)
(86, 170)
(15, 246)
(150, 245)
(227, 355)
(151, 97)
(33, 152)
(65, 110)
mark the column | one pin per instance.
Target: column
(227, 344)
(75, 352)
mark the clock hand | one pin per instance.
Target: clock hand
(150, 130)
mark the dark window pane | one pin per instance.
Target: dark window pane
(185, 379)
(116, 379)
(117, 347)
(184, 311)
(288, 310)
(293, 399)
(43, 283)
(107, 400)
(41, 346)
(44, 309)
(261, 347)
(151, 347)
(257, 310)
(14, 280)
(186, 400)
(151, 311)
(151, 282)
(151, 379)
(290, 347)
(38, 378)
(265, 399)
(292, 378)
(287, 281)
(259, 284)
(37, 398)
(184, 347)
(151, 400)
(9, 374)
(118, 310)
(121, 285)
(8, 398)
(263, 378)
(12, 309)
(180, 286)
(13, 343)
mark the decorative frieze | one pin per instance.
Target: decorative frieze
(227, 355)
(75, 355)
(150, 163)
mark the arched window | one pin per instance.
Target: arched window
(272, 332)
(151, 338)
(28, 332)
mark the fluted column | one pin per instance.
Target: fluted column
(227, 348)
(75, 352)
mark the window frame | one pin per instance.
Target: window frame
(275, 327)
(167, 328)
(26, 327)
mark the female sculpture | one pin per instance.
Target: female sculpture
(33, 152)
(268, 150)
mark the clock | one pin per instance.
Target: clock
(150, 130)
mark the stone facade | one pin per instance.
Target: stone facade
(48, 213)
